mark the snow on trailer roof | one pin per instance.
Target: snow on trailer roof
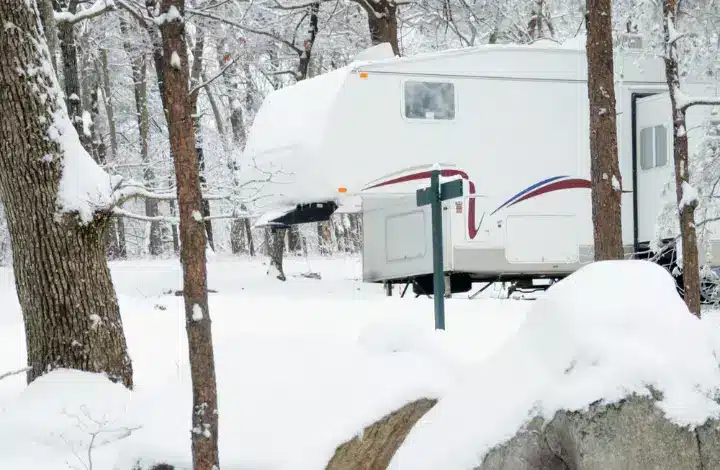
(296, 115)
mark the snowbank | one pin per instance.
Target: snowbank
(65, 419)
(610, 330)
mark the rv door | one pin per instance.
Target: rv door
(653, 163)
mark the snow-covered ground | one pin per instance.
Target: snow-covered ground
(302, 366)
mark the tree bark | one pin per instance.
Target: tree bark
(379, 441)
(47, 16)
(604, 167)
(195, 76)
(70, 310)
(382, 22)
(192, 238)
(306, 54)
(276, 251)
(690, 257)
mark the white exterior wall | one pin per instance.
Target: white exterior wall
(521, 117)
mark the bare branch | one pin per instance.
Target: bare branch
(245, 28)
(280, 6)
(207, 82)
(131, 215)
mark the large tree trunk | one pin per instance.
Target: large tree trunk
(192, 238)
(606, 179)
(382, 22)
(686, 205)
(71, 313)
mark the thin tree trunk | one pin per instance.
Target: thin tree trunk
(108, 101)
(116, 231)
(71, 313)
(71, 75)
(605, 171)
(686, 207)
(195, 76)
(192, 238)
(138, 65)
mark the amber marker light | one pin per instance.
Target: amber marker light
(342, 190)
(363, 75)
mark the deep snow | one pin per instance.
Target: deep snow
(302, 366)
(305, 365)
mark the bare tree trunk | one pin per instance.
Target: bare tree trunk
(195, 76)
(117, 247)
(192, 237)
(686, 207)
(71, 76)
(71, 313)
(606, 179)
(138, 65)
(276, 251)
(314, 10)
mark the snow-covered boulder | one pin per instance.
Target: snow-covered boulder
(630, 434)
(609, 371)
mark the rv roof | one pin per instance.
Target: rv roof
(545, 60)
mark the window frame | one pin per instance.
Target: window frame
(654, 142)
(404, 115)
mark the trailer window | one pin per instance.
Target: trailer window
(429, 100)
(653, 147)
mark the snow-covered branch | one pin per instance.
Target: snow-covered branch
(14, 372)
(684, 102)
(172, 219)
(673, 34)
(96, 9)
(129, 191)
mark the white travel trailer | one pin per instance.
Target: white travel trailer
(511, 121)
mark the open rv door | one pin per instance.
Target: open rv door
(653, 162)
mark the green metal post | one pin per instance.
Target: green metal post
(437, 241)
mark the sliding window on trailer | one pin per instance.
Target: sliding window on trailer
(426, 100)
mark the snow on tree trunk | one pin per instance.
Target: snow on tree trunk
(192, 237)
(604, 166)
(686, 205)
(70, 310)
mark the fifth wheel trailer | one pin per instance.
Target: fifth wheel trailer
(512, 122)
